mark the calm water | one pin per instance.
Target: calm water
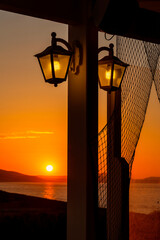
(57, 191)
(144, 198)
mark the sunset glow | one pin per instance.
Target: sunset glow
(33, 114)
(49, 168)
(33, 127)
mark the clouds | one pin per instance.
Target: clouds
(24, 135)
(38, 132)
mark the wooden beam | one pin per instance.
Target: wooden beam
(114, 204)
(82, 203)
(151, 5)
(124, 18)
(59, 11)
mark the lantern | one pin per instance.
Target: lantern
(54, 61)
(111, 70)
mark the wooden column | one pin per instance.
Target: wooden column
(114, 192)
(114, 105)
(82, 126)
(117, 174)
(125, 199)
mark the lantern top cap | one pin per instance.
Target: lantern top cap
(112, 59)
(56, 49)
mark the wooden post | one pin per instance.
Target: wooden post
(82, 202)
(125, 199)
(114, 105)
(117, 174)
(113, 165)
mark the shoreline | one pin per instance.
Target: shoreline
(16, 200)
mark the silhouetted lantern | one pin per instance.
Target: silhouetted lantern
(55, 60)
(111, 70)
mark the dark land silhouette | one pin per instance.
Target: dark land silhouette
(11, 176)
(147, 180)
(103, 178)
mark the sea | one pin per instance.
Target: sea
(143, 197)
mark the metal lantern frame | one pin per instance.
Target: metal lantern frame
(111, 60)
(57, 50)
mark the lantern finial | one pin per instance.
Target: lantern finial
(111, 46)
(53, 34)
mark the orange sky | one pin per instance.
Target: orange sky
(33, 121)
(147, 156)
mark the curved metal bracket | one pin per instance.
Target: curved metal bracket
(65, 43)
(108, 49)
(55, 40)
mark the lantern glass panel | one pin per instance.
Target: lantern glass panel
(118, 75)
(60, 63)
(45, 62)
(104, 72)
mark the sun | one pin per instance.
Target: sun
(49, 168)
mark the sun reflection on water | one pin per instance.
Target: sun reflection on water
(49, 191)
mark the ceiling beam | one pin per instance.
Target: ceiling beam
(68, 12)
(120, 17)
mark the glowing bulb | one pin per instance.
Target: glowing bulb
(108, 74)
(56, 65)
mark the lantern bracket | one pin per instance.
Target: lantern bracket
(76, 60)
(55, 40)
(108, 49)
(76, 50)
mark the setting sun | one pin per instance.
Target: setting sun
(49, 168)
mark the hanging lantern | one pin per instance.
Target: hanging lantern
(111, 70)
(54, 61)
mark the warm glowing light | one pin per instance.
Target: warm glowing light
(108, 74)
(49, 168)
(56, 65)
(49, 68)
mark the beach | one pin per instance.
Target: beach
(26, 217)
(144, 226)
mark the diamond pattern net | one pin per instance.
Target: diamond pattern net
(144, 69)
